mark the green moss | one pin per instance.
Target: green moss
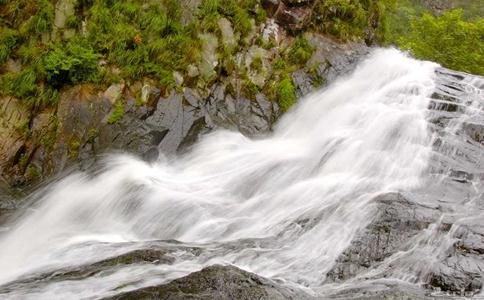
(74, 146)
(32, 173)
(257, 64)
(92, 134)
(300, 52)
(286, 94)
(49, 139)
(118, 112)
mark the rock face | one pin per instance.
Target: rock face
(152, 121)
(397, 220)
(215, 282)
(291, 14)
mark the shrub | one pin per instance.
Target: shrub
(449, 40)
(345, 19)
(286, 93)
(73, 63)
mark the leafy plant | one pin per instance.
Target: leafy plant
(449, 40)
(70, 64)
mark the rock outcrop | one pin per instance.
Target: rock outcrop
(216, 282)
(152, 121)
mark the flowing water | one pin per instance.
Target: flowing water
(284, 206)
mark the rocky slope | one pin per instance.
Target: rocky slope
(88, 120)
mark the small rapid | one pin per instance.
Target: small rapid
(285, 206)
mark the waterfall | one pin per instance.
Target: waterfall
(284, 206)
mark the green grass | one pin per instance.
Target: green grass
(286, 94)
(118, 112)
(300, 52)
(8, 40)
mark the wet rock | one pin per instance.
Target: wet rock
(14, 120)
(178, 118)
(215, 282)
(154, 256)
(333, 59)
(81, 110)
(397, 220)
(223, 110)
(8, 203)
(461, 271)
(302, 82)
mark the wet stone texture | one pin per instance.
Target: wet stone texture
(216, 282)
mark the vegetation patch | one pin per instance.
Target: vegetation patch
(71, 63)
(118, 112)
(449, 40)
(286, 93)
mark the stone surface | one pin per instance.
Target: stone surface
(228, 37)
(209, 56)
(14, 119)
(215, 282)
(396, 221)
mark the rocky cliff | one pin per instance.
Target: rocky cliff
(144, 118)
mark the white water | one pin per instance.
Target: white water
(284, 206)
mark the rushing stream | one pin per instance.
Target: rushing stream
(285, 206)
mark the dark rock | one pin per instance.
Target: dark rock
(461, 272)
(140, 256)
(270, 6)
(172, 114)
(396, 221)
(334, 59)
(292, 18)
(302, 82)
(293, 3)
(215, 282)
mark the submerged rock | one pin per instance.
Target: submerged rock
(396, 221)
(215, 282)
